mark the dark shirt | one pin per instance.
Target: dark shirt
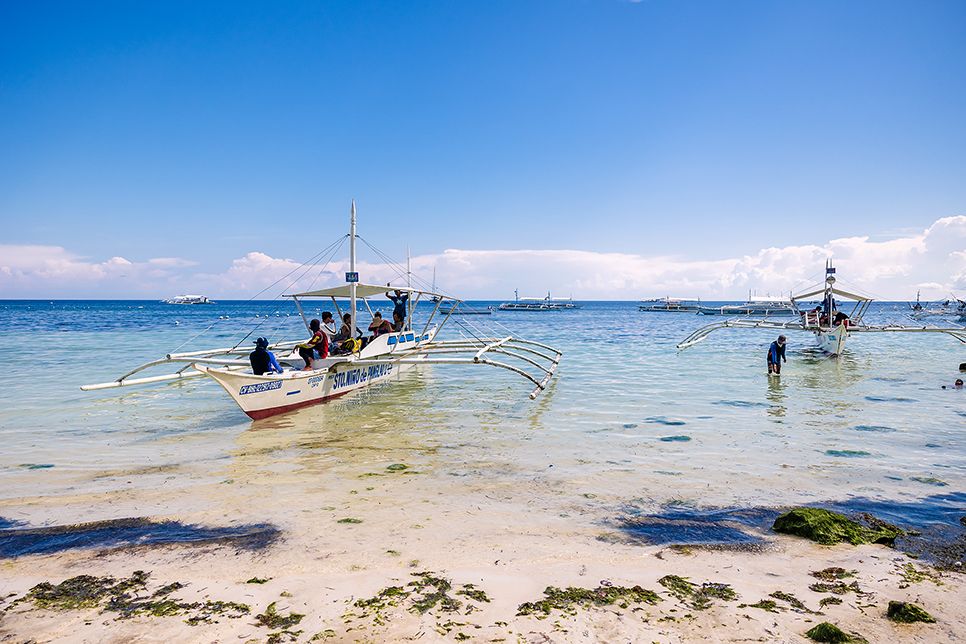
(263, 361)
(776, 352)
(400, 303)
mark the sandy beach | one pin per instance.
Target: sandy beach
(468, 578)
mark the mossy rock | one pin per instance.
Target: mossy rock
(830, 633)
(829, 528)
(908, 613)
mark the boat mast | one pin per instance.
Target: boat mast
(409, 284)
(352, 269)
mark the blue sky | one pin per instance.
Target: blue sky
(151, 149)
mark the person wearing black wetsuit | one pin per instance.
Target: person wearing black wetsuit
(263, 360)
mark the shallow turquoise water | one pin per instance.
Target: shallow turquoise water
(629, 420)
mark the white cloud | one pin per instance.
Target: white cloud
(932, 260)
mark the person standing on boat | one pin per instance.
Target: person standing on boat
(776, 355)
(318, 342)
(399, 301)
(263, 361)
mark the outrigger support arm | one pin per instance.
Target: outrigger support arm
(958, 333)
(189, 357)
(427, 355)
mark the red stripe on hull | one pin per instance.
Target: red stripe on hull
(258, 414)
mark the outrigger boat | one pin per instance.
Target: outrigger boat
(671, 305)
(187, 299)
(539, 303)
(382, 358)
(830, 326)
(756, 306)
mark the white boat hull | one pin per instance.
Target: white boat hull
(268, 395)
(832, 340)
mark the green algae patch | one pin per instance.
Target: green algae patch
(256, 580)
(474, 593)
(397, 467)
(847, 453)
(839, 588)
(675, 439)
(929, 480)
(568, 599)
(765, 604)
(274, 620)
(829, 633)
(907, 613)
(128, 598)
(792, 601)
(697, 597)
(433, 591)
(833, 574)
(829, 528)
(421, 595)
(349, 520)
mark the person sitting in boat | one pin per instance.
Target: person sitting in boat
(263, 361)
(840, 318)
(318, 342)
(328, 325)
(398, 322)
(344, 333)
(399, 301)
(776, 354)
(378, 326)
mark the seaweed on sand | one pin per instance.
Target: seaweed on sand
(126, 597)
(567, 599)
(273, 619)
(829, 528)
(829, 633)
(698, 598)
(907, 613)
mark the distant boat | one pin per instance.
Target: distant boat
(953, 306)
(539, 303)
(754, 307)
(831, 326)
(671, 305)
(187, 299)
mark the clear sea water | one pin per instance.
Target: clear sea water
(629, 425)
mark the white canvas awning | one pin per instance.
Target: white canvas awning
(835, 291)
(362, 290)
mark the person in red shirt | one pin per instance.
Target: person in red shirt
(319, 342)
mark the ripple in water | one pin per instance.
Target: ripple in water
(661, 420)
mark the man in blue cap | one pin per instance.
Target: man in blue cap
(263, 360)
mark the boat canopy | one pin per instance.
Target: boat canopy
(835, 291)
(362, 290)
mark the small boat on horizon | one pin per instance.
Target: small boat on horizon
(539, 303)
(671, 305)
(187, 299)
(755, 306)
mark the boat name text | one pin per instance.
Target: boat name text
(260, 387)
(355, 376)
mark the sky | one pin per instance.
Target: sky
(603, 149)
